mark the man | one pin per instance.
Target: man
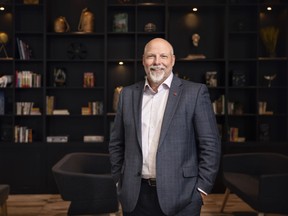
(164, 145)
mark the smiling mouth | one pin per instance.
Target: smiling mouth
(156, 68)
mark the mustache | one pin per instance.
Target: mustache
(153, 68)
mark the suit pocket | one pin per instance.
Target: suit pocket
(190, 171)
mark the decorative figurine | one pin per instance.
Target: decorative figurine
(116, 95)
(150, 27)
(86, 23)
(194, 50)
(5, 80)
(211, 78)
(61, 25)
(59, 77)
(195, 39)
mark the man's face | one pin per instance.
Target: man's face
(158, 61)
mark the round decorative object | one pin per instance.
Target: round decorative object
(3, 38)
(76, 50)
(150, 27)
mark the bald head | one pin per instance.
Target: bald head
(159, 42)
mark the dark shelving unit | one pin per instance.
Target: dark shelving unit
(230, 40)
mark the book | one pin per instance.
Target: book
(62, 139)
(93, 138)
(61, 112)
(85, 111)
(97, 108)
(219, 105)
(233, 131)
(19, 48)
(23, 134)
(120, 23)
(49, 105)
(88, 80)
(24, 50)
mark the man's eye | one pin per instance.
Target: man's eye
(164, 57)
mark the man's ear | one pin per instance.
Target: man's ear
(174, 58)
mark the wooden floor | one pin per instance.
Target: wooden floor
(53, 205)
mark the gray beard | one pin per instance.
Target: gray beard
(157, 77)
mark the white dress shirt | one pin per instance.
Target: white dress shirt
(153, 108)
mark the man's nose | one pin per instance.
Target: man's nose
(157, 60)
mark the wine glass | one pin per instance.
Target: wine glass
(270, 78)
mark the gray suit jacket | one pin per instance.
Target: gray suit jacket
(188, 152)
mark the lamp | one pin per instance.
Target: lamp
(3, 41)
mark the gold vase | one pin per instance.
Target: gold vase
(269, 36)
(86, 23)
(61, 25)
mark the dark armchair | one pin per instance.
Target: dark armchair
(259, 179)
(85, 180)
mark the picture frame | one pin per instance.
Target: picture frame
(120, 23)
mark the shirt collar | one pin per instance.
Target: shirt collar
(166, 83)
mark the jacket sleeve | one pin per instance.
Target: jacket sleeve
(117, 141)
(208, 141)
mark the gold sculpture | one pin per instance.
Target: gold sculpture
(3, 41)
(269, 36)
(86, 23)
(116, 95)
(61, 25)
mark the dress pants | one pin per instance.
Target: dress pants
(148, 204)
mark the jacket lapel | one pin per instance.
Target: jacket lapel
(172, 102)
(137, 107)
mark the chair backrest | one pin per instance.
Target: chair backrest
(256, 163)
(89, 163)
